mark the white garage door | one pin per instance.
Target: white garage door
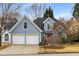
(32, 39)
(18, 39)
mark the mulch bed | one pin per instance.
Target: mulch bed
(53, 47)
(2, 47)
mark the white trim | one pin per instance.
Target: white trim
(16, 24)
(22, 18)
(48, 19)
(40, 38)
(34, 24)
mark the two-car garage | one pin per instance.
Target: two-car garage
(25, 32)
(25, 38)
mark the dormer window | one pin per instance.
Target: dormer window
(48, 26)
(43, 26)
(25, 25)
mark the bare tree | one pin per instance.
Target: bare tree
(36, 9)
(5, 9)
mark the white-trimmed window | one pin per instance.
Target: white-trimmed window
(48, 26)
(25, 25)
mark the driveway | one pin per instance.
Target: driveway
(20, 49)
(33, 50)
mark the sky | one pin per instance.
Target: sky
(59, 9)
(62, 10)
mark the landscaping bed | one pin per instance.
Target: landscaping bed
(4, 45)
(57, 46)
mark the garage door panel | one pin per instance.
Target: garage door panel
(25, 39)
(18, 39)
(32, 39)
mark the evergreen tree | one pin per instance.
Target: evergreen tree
(76, 10)
(48, 13)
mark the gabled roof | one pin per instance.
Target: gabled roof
(48, 19)
(58, 27)
(9, 25)
(9, 22)
(56, 24)
(21, 19)
(39, 22)
(60, 24)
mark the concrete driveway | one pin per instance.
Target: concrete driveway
(19, 49)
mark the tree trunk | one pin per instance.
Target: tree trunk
(0, 40)
(0, 37)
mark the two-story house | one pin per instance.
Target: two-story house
(51, 27)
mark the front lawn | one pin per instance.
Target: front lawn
(68, 48)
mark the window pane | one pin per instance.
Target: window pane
(25, 25)
(48, 26)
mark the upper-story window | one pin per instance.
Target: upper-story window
(25, 25)
(48, 26)
(43, 26)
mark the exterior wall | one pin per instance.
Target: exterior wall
(46, 25)
(30, 28)
(3, 36)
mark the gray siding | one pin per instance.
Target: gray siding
(46, 25)
(30, 28)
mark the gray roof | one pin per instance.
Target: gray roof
(10, 24)
(39, 22)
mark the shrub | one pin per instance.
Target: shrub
(42, 43)
(63, 40)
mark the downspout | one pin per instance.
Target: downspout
(25, 38)
(11, 38)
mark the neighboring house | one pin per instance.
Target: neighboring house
(24, 32)
(51, 27)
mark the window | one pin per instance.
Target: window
(48, 26)
(25, 25)
(43, 26)
(6, 37)
(60, 33)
